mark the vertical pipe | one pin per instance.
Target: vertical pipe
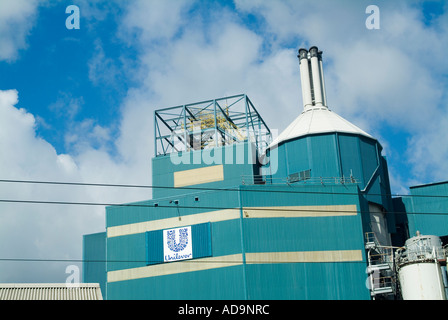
(155, 135)
(321, 73)
(438, 272)
(445, 280)
(305, 79)
(317, 84)
(246, 106)
(216, 123)
(243, 250)
(185, 128)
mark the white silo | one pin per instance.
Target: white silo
(419, 268)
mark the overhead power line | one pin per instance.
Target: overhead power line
(179, 206)
(100, 260)
(149, 263)
(234, 189)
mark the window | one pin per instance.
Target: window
(299, 176)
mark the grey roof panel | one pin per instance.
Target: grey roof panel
(50, 291)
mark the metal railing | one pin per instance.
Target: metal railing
(209, 124)
(420, 253)
(382, 254)
(266, 179)
(381, 266)
(382, 285)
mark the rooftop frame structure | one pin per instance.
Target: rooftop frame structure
(209, 124)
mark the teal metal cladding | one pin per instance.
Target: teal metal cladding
(238, 160)
(214, 284)
(330, 155)
(324, 154)
(308, 281)
(427, 209)
(94, 260)
(336, 155)
(239, 252)
(202, 241)
(258, 279)
(154, 247)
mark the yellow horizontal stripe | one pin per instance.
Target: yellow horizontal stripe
(140, 227)
(234, 260)
(198, 176)
(300, 211)
(229, 214)
(175, 267)
(303, 256)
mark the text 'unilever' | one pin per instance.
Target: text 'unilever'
(177, 244)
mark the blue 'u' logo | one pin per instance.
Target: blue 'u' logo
(171, 239)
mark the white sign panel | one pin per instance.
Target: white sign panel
(177, 244)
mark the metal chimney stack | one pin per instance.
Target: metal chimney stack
(312, 78)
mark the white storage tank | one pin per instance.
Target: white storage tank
(419, 270)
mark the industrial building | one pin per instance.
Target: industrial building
(238, 212)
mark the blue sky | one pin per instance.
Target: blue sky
(54, 71)
(77, 105)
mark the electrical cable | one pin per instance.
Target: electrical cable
(177, 206)
(147, 263)
(206, 188)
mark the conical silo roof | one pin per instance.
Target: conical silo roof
(316, 121)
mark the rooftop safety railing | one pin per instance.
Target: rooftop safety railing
(266, 179)
(209, 124)
(421, 253)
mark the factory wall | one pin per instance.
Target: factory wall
(128, 227)
(338, 155)
(262, 241)
(266, 243)
(305, 242)
(221, 167)
(426, 209)
(94, 260)
(401, 222)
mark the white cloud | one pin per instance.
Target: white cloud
(16, 20)
(428, 151)
(192, 68)
(394, 77)
(43, 231)
(85, 134)
(67, 106)
(201, 62)
(156, 19)
(207, 61)
(102, 70)
(33, 231)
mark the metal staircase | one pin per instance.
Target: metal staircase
(381, 269)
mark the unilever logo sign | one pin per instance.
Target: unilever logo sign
(177, 244)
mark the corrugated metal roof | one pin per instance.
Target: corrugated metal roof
(50, 291)
(317, 120)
